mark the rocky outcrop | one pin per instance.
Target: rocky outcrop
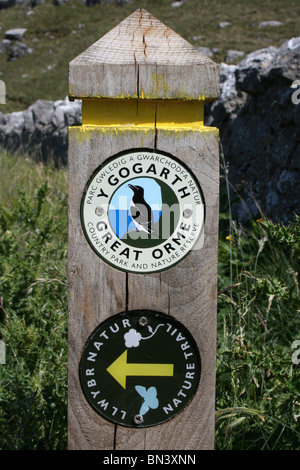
(13, 43)
(259, 129)
(41, 130)
(33, 3)
(26, 3)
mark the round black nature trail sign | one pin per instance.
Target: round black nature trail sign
(140, 368)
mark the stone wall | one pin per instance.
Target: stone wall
(41, 130)
(258, 116)
(259, 129)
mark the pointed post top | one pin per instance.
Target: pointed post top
(143, 58)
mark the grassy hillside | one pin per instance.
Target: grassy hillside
(33, 305)
(58, 34)
(257, 395)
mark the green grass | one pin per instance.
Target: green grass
(58, 34)
(258, 397)
(33, 311)
(257, 393)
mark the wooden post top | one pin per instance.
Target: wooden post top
(141, 58)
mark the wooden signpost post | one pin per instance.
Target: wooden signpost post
(143, 231)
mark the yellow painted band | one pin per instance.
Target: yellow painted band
(159, 114)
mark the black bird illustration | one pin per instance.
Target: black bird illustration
(140, 211)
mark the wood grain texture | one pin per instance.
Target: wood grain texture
(143, 58)
(96, 291)
(187, 291)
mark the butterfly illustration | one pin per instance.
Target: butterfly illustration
(150, 398)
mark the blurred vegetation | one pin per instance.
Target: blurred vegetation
(258, 398)
(257, 394)
(59, 33)
(33, 305)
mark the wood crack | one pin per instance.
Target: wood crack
(115, 438)
(155, 127)
(127, 293)
(145, 45)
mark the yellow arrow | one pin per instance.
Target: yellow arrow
(120, 369)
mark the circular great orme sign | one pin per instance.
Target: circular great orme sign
(142, 211)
